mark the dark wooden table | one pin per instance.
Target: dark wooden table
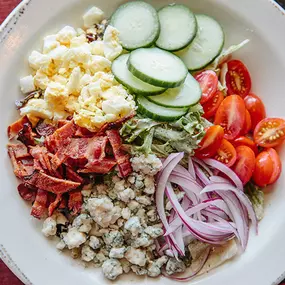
(6, 276)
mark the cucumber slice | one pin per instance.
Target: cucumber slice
(158, 113)
(186, 95)
(125, 77)
(206, 46)
(137, 23)
(178, 27)
(157, 67)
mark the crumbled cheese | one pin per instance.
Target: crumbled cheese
(174, 266)
(149, 165)
(136, 256)
(95, 242)
(112, 269)
(87, 254)
(27, 84)
(83, 223)
(133, 225)
(49, 227)
(117, 252)
(93, 16)
(154, 232)
(74, 238)
(113, 239)
(126, 213)
(126, 195)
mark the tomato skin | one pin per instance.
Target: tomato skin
(211, 142)
(208, 81)
(238, 79)
(270, 132)
(277, 165)
(263, 169)
(245, 163)
(256, 109)
(247, 124)
(242, 140)
(267, 168)
(231, 116)
(212, 105)
(226, 153)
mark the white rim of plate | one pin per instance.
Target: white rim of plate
(4, 255)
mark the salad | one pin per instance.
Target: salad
(141, 145)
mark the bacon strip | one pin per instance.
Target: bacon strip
(20, 150)
(73, 176)
(51, 184)
(123, 159)
(26, 135)
(16, 127)
(52, 207)
(43, 129)
(39, 206)
(101, 166)
(20, 169)
(75, 202)
(28, 194)
(40, 154)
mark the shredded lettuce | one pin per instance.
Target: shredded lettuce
(148, 136)
(256, 196)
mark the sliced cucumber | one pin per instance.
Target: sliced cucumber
(157, 67)
(206, 46)
(158, 113)
(125, 77)
(185, 95)
(178, 27)
(137, 23)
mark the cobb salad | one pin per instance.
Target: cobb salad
(140, 144)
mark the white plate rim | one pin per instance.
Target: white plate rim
(5, 28)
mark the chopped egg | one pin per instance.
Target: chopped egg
(27, 84)
(93, 16)
(112, 46)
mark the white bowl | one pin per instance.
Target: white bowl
(34, 258)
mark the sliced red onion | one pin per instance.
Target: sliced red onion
(201, 175)
(203, 165)
(191, 168)
(226, 170)
(242, 197)
(218, 179)
(179, 239)
(186, 184)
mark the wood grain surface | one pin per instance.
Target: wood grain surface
(6, 276)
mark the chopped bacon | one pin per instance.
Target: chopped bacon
(20, 150)
(49, 183)
(52, 206)
(28, 161)
(75, 202)
(26, 135)
(20, 169)
(61, 136)
(101, 166)
(40, 154)
(27, 193)
(43, 129)
(16, 127)
(73, 176)
(39, 206)
(62, 123)
(63, 203)
(83, 133)
(122, 158)
(96, 148)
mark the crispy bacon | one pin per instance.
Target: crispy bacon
(83, 133)
(27, 193)
(101, 166)
(63, 203)
(75, 202)
(26, 135)
(43, 129)
(41, 156)
(122, 158)
(20, 150)
(21, 170)
(61, 136)
(52, 206)
(49, 183)
(16, 127)
(72, 175)
(39, 206)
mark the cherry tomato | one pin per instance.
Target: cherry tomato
(270, 132)
(256, 109)
(208, 81)
(212, 105)
(231, 116)
(245, 163)
(267, 168)
(226, 153)
(246, 142)
(247, 124)
(238, 79)
(211, 142)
